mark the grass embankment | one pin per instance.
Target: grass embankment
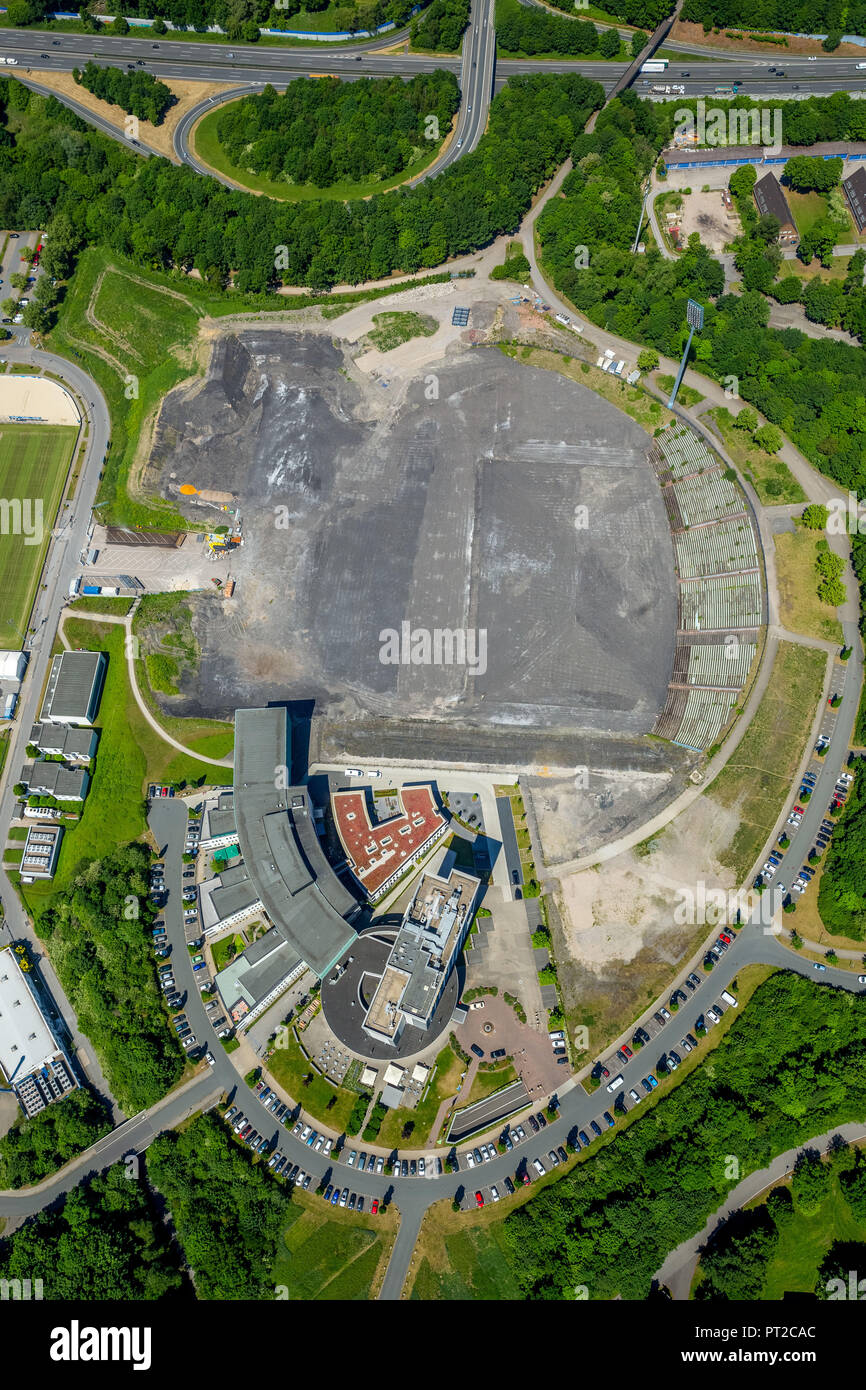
(95, 603)
(130, 754)
(687, 395)
(772, 479)
(170, 651)
(34, 462)
(757, 779)
(800, 608)
(206, 146)
(486, 1082)
(331, 1254)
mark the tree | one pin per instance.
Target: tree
(638, 43)
(120, 25)
(768, 438)
(815, 516)
(747, 419)
(159, 25)
(647, 359)
(608, 44)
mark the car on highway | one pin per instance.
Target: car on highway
(818, 966)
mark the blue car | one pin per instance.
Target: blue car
(609, 1118)
(584, 1138)
(335, 1197)
(595, 1127)
(312, 1139)
(652, 1081)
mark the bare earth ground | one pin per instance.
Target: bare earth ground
(155, 137)
(705, 213)
(577, 814)
(361, 506)
(685, 32)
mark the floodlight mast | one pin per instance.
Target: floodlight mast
(695, 320)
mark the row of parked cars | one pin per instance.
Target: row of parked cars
(353, 1200)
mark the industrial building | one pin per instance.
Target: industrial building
(31, 1059)
(425, 950)
(218, 827)
(60, 740)
(41, 852)
(74, 688)
(378, 852)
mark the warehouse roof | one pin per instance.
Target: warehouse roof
(74, 687)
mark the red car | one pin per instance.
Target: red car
(627, 1050)
(723, 936)
(526, 1179)
(602, 1070)
(165, 791)
(799, 811)
(479, 1200)
(375, 1207)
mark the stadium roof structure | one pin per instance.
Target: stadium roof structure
(300, 893)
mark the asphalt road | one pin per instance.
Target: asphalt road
(60, 566)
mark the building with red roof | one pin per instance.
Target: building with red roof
(380, 852)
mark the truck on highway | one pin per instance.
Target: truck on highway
(654, 65)
(13, 62)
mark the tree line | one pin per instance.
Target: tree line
(784, 16)
(164, 216)
(536, 31)
(137, 93)
(323, 131)
(842, 890)
(103, 955)
(790, 1066)
(240, 20)
(38, 1145)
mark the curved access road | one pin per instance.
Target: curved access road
(678, 1271)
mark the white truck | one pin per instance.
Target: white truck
(12, 62)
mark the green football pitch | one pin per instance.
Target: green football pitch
(34, 460)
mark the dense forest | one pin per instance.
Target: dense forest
(105, 963)
(782, 16)
(735, 1263)
(842, 890)
(813, 389)
(793, 1065)
(645, 14)
(536, 31)
(440, 27)
(228, 1211)
(105, 1241)
(137, 93)
(322, 131)
(162, 215)
(35, 1147)
(241, 20)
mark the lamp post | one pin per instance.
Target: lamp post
(695, 320)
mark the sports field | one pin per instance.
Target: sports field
(34, 460)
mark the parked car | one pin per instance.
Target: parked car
(538, 1166)
(595, 1127)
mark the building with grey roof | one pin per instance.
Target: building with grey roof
(218, 826)
(74, 688)
(61, 740)
(299, 891)
(770, 201)
(55, 779)
(228, 899)
(425, 951)
(253, 980)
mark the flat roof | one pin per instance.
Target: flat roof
(378, 849)
(273, 833)
(73, 685)
(26, 1041)
(258, 970)
(384, 1012)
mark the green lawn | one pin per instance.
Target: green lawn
(96, 603)
(486, 1082)
(129, 754)
(807, 209)
(475, 1264)
(34, 461)
(772, 479)
(222, 952)
(206, 146)
(288, 1066)
(331, 1254)
(804, 1243)
(447, 1069)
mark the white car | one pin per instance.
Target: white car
(470, 1159)
(208, 1056)
(635, 1096)
(374, 774)
(861, 979)
(477, 1004)
(354, 772)
(494, 1192)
